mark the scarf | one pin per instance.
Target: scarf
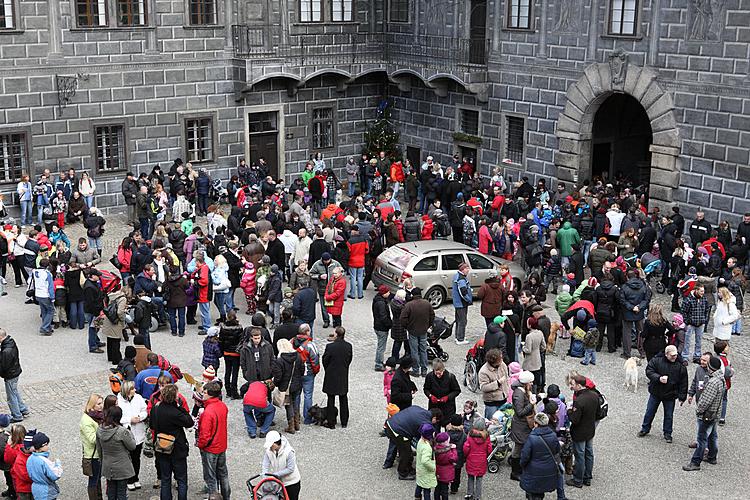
(96, 416)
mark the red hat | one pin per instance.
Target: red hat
(571, 276)
(593, 282)
(568, 199)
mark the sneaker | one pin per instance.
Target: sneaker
(461, 342)
(174, 334)
(379, 369)
(131, 487)
(16, 420)
(711, 461)
(201, 332)
(252, 436)
(181, 335)
(722, 421)
(409, 477)
(668, 438)
(593, 363)
(691, 467)
(101, 344)
(137, 485)
(587, 482)
(326, 325)
(261, 435)
(584, 363)
(572, 482)
(387, 465)
(96, 351)
(642, 434)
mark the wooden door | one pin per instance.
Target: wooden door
(263, 140)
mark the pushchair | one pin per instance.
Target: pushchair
(219, 193)
(566, 449)
(440, 330)
(502, 445)
(653, 270)
(474, 360)
(268, 488)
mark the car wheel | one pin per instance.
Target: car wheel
(435, 296)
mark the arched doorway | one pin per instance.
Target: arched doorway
(621, 138)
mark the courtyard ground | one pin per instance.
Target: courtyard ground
(59, 374)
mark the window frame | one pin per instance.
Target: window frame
(15, 18)
(104, 3)
(636, 20)
(27, 136)
(95, 146)
(391, 10)
(213, 136)
(312, 3)
(189, 16)
(352, 10)
(509, 16)
(459, 120)
(506, 128)
(146, 13)
(445, 256)
(313, 106)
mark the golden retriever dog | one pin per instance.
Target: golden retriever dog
(552, 338)
(631, 373)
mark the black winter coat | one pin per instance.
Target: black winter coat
(275, 252)
(605, 302)
(447, 385)
(655, 337)
(677, 378)
(336, 360)
(177, 284)
(576, 266)
(93, 298)
(288, 371)
(582, 416)
(266, 363)
(10, 364)
(303, 305)
(412, 230)
(230, 337)
(401, 389)
(381, 314)
(172, 419)
(398, 332)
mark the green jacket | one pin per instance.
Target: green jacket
(307, 175)
(566, 237)
(426, 477)
(563, 301)
(88, 428)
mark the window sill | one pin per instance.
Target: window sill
(110, 28)
(108, 172)
(203, 26)
(518, 30)
(398, 22)
(325, 23)
(635, 37)
(11, 31)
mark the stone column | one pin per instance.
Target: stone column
(456, 19)
(593, 30)
(284, 18)
(497, 25)
(416, 21)
(228, 22)
(542, 50)
(653, 42)
(152, 44)
(54, 45)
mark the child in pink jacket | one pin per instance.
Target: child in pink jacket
(476, 450)
(390, 370)
(446, 456)
(249, 287)
(515, 371)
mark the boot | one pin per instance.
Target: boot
(290, 427)
(92, 493)
(296, 422)
(515, 469)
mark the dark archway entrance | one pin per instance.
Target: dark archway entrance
(621, 138)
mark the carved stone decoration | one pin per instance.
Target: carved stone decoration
(567, 15)
(254, 10)
(618, 65)
(67, 87)
(706, 19)
(437, 12)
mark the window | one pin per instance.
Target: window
(7, 11)
(263, 122)
(199, 139)
(202, 12)
(322, 131)
(13, 156)
(452, 261)
(311, 11)
(91, 13)
(427, 264)
(110, 147)
(399, 11)
(622, 17)
(514, 137)
(469, 121)
(519, 14)
(131, 12)
(341, 10)
(477, 262)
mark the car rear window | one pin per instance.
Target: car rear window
(427, 264)
(397, 257)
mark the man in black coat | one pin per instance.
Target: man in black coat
(336, 360)
(234, 261)
(303, 305)
(700, 230)
(582, 418)
(668, 380)
(169, 417)
(130, 192)
(257, 358)
(93, 304)
(275, 249)
(382, 323)
(442, 389)
(10, 371)
(288, 329)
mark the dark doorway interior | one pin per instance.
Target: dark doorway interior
(478, 32)
(469, 153)
(414, 155)
(264, 139)
(621, 140)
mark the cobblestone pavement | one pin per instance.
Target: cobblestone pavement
(59, 374)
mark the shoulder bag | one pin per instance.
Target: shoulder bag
(87, 466)
(558, 463)
(280, 398)
(163, 442)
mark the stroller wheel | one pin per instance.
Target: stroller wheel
(471, 376)
(444, 356)
(493, 466)
(660, 288)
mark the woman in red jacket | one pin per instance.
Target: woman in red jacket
(485, 238)
(427, 227)
(124, 254)
(334, 296)
(397, 176)
(19, 452)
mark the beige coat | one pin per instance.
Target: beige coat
(532, 351)
(493, 382)
(112, 330)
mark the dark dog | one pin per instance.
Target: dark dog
(319, 416)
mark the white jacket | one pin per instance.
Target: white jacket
(282, 463)
(724, 317)
(130, 409)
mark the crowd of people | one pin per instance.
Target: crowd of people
(301, 251)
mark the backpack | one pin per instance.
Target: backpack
(154, 206)
(115, 381)
(443, 227)
(603, 409)
(111, 311)
(173, 370)
(576, 348)
(109, 281)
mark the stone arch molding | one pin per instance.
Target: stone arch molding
(575, 124)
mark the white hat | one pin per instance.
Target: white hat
(272, 437)
(526, 377)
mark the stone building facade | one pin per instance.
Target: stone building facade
(555, 89)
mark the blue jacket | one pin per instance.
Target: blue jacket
(60, 235)
(143, 282)
(460, 283)
(147, 380)
(539, 466)
(44, 475)
(43, 199)
(303, 305)
(408, 421)
(202, 184)
(27, 194)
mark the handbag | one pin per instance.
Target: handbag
(280, 397)
(163, 442)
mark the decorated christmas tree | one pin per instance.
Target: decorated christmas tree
(381, 135)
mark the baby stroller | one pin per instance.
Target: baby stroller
(474, 360)
(502, 445)
(566, 449)
(440, 330)
(268, 488)
(218, 192)
(653, 270)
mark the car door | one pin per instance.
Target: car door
(480, 269)
(449, 263)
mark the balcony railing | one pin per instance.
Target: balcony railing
(361, 48)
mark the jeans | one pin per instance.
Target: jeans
(93, 337)
(651, 407)
(308, 389)
(423, 493)
(356, 274)
(343, 411)
(274, 309)
(396, 349)
(95, 243)
(461, 320)
(255, 417)
(564, 262)
(230, 299)
(323, 310)
(117, 489)
(177, 320)
(396, 187)
(584, 462)
(220, 300)
(418, 346)
(474, 487)
(586, 248)
(380, 349)
(205, 310)
(26, 208)
(95, 481)
(40, 215)
(490, 410)
(724, 406)
(47, 313)
(697, 331)
(159, 303)
(76, 317)
(215, 473)
(707, 437)
(231, 373)
(89, 201)
(145, 223)
(737, 327)
(15, 401)
(589, 356)
(553, 279)
(441, 491)
(202, 207)
(627, 335)
(351, 186)
(169, 465)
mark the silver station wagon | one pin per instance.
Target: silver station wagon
(431, 265)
